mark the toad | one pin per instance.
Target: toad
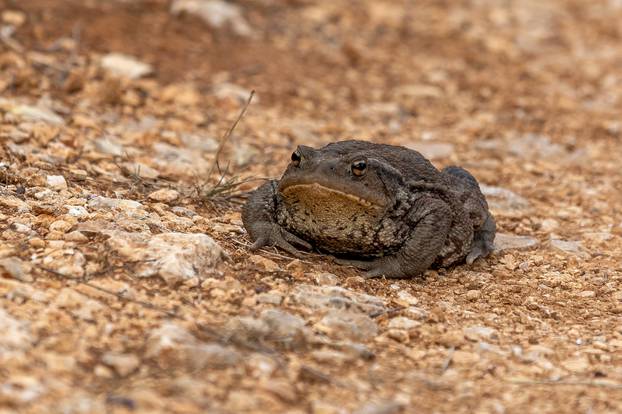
(383, 208)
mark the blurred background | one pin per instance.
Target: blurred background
(515, 81)
(435, 74)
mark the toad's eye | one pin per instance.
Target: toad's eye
(359, 167)
(296, 157)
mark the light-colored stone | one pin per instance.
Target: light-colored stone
(233, 92)
(165, 195)
(512, 242)
(342, 324)
(270, 298)
(36, 242)
(124, 65)
(170, 159)
(550, 225)
(577, 364)
(401, 322)
(102, 371)
(216, 13)
(45, 194)
(77, 211)
(503, 201)
(330, 356)
(200, 142)
(171, 345)
(477, 333)
(16, 268)
(267, 264)
(142, 170)
(99, 203)
(37, 114)
(399, 335)
(56, 182)
(13, 17)
(326, 279)
(598, 236)
(109, 145)
(336, 297)
(494, 349)
(167, 336)
(260, 365)
(247, 328)
(384, 407)
(473, 295)
(60, 225)
(66, 262)
(404, 298)
(183, 212)
(570, 247)
(14, 203)
(531, 146)
(21, 228)
(214, 355)
(284, 325)
(18, 290)
(175, 257)
(416, 313)
(76, 236)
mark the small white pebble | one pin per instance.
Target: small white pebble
(164, 195)
(44, 194)
(77, 211)
(56, 182)
(21, 228)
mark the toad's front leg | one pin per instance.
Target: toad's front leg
(259, 218)
(431, 224)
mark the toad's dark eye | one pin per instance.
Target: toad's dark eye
(359, 167)
(296, 158)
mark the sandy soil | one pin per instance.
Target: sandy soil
(126, 283)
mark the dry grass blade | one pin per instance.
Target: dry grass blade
(118, 295)
(227, 135)
(224, 188)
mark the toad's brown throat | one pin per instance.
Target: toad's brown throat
(315, 188)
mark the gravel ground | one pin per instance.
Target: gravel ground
(126, 283)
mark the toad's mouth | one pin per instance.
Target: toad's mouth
(319, 191)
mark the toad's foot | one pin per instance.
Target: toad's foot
(483, 240)
(374, 268)
(273, 235)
